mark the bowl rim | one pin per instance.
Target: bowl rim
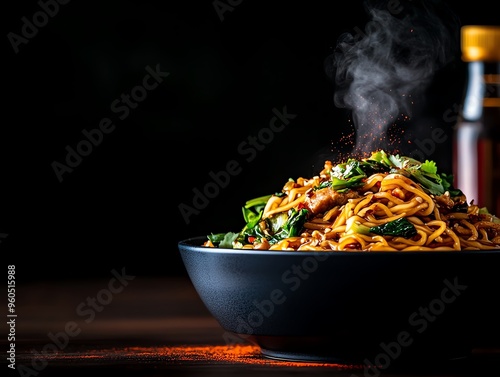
(191, 243)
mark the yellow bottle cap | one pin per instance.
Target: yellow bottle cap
(480, 43)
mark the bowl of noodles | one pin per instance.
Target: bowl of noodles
(379, 260)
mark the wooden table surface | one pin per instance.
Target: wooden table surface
(155, 327)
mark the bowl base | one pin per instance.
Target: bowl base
(320, 350)
(302, 357)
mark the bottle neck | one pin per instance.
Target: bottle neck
(482, 91)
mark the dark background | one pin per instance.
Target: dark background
(119, 207)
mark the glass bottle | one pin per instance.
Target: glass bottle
(476, 155)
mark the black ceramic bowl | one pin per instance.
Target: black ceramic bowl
(370, 307)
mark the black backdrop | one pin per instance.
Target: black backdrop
(215, 77)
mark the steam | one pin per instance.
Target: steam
(381, 72)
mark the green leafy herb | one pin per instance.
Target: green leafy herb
(223, 240)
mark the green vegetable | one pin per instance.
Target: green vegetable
(341, 185)
(429, 167)
(381, 157)
(351, 174)
(293, 225)
(400, 228)
(257, 203)
(282, 225)
(253, 209)
(223, 240)
(447, 181)
(278, 221)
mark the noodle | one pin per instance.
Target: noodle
(368, 216)
(285, 207)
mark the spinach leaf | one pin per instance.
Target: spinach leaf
(400, 227)
(292, 226)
